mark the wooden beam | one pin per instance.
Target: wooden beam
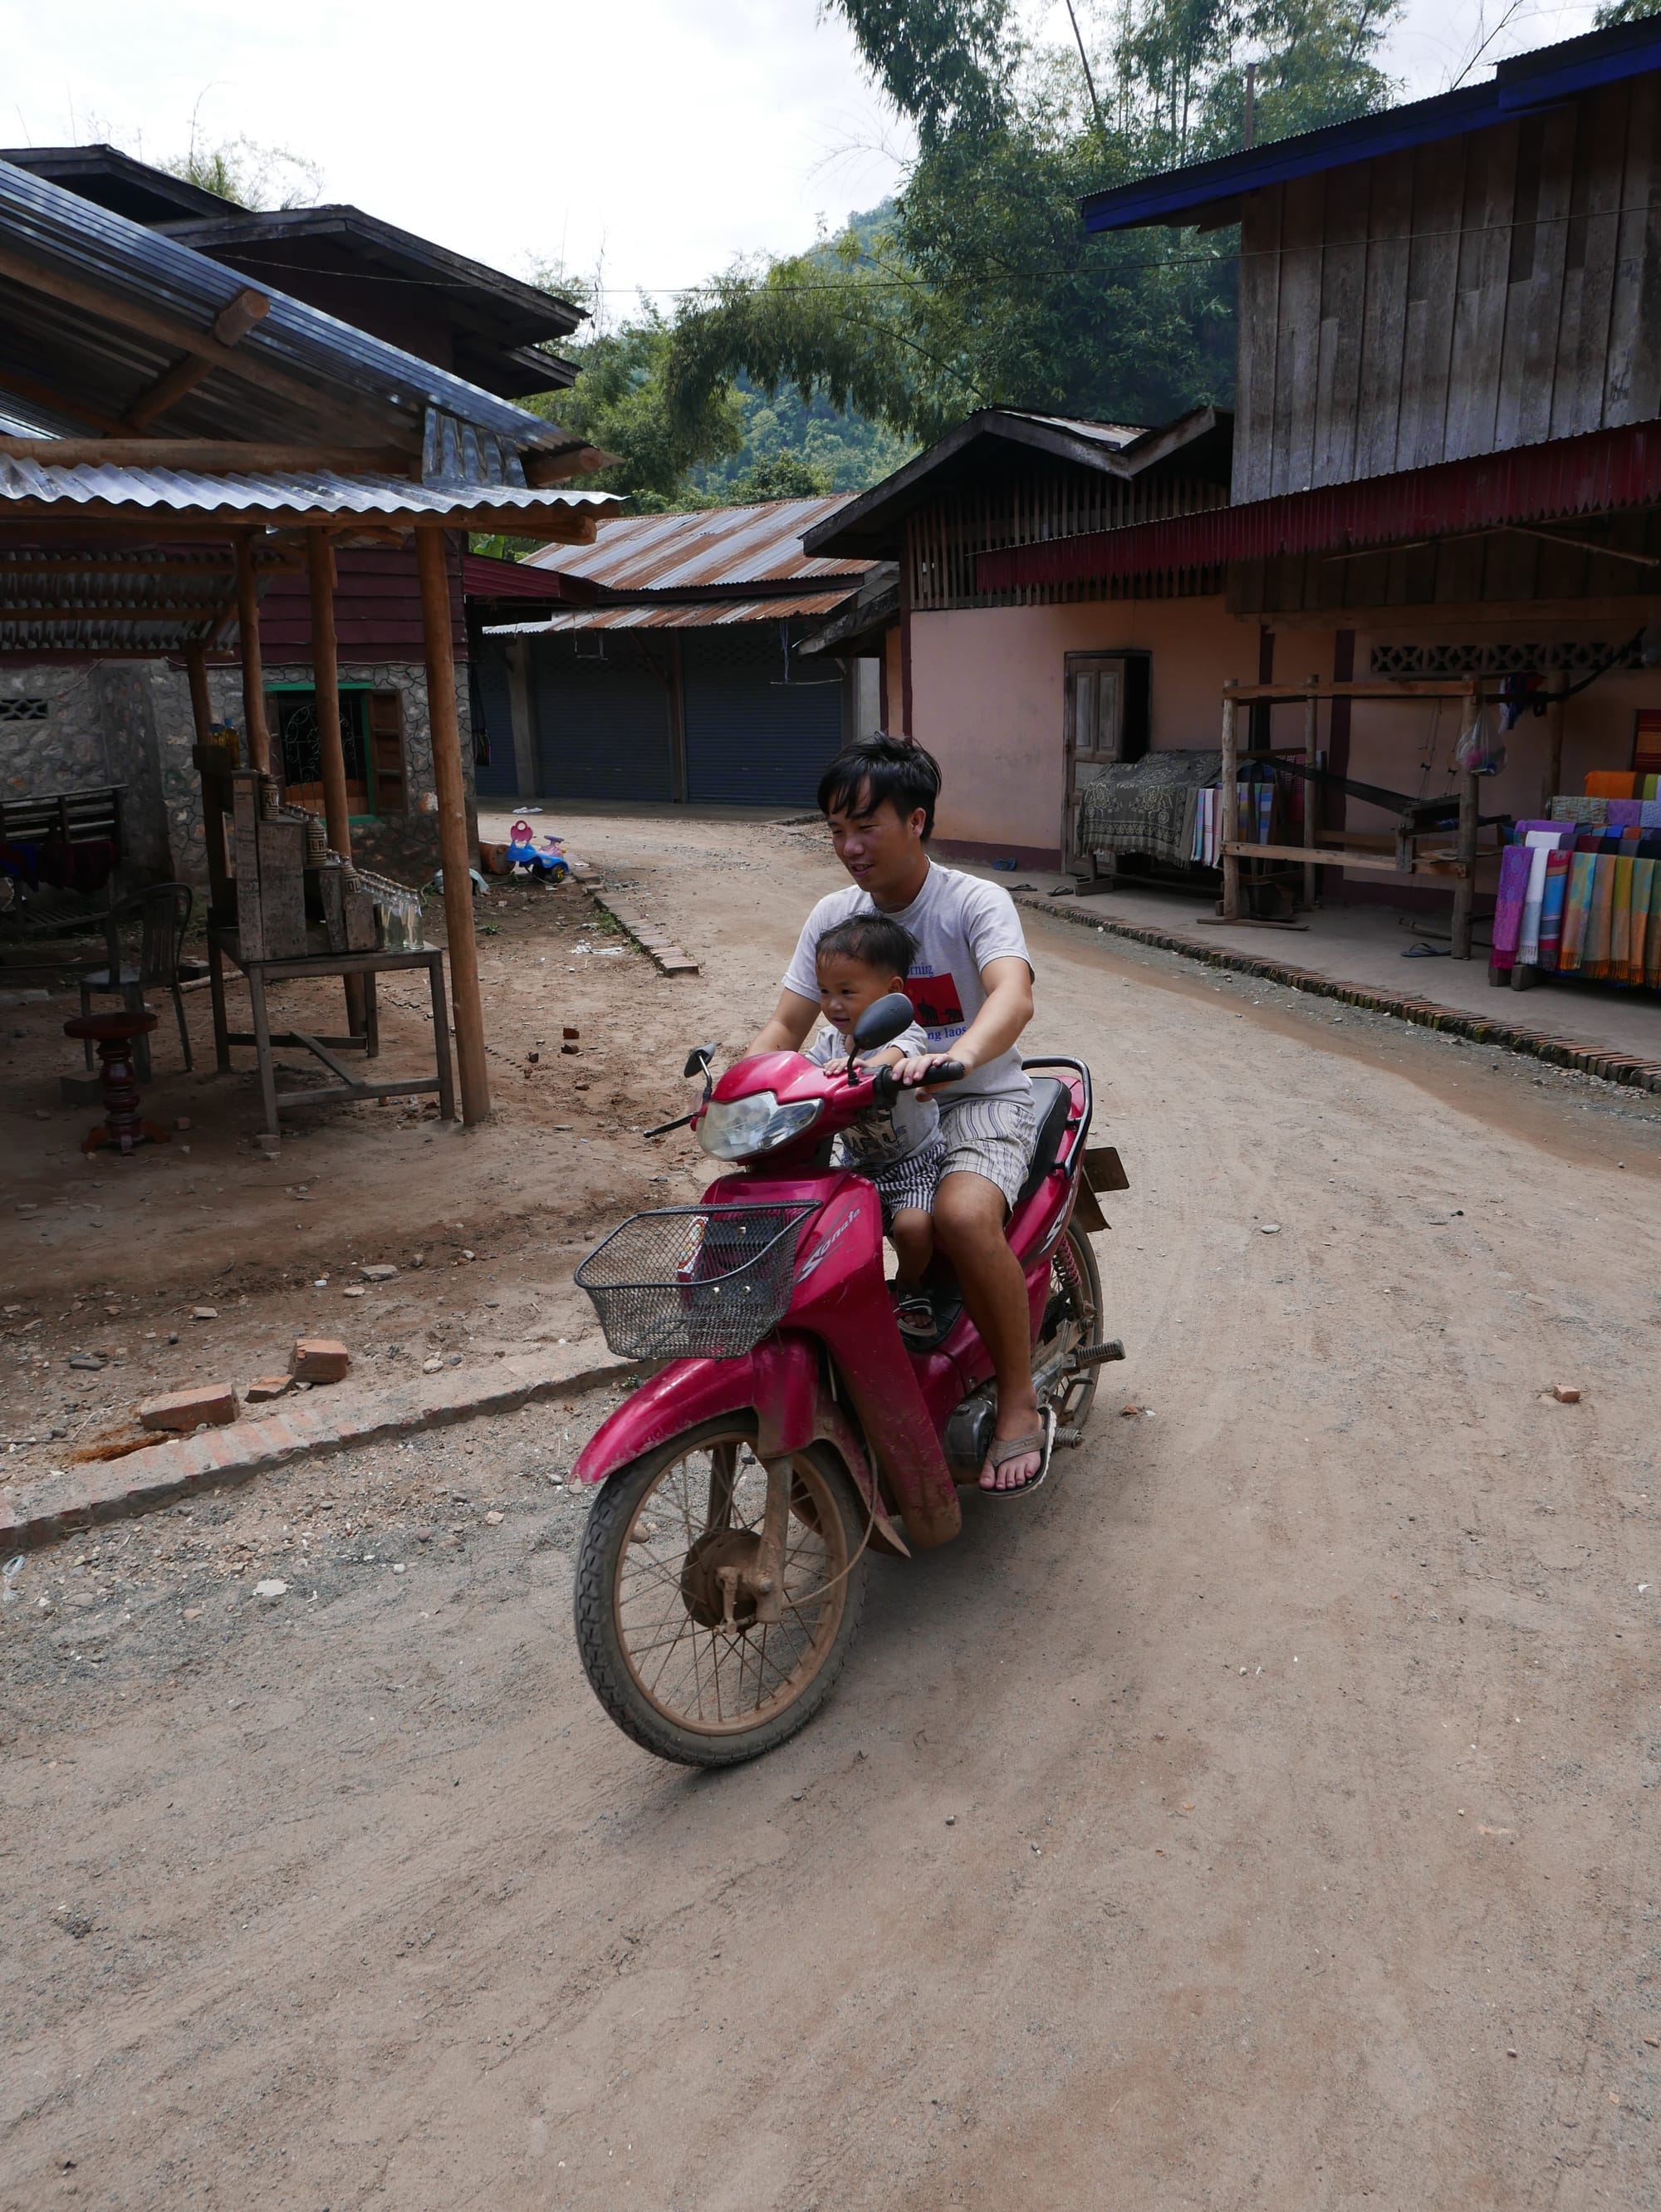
(1376, 862)
(234, 323)
(452, 787)
(1229, 798)
(542, 470)
(253, 671)
(181, 336)
(48, 396)
(172, 385)
(325, 676)
(1311, 799)
(212, 456)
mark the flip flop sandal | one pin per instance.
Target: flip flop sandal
(916, 1316)
(1019, 1448)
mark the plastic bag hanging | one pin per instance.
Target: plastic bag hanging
(1481, 751)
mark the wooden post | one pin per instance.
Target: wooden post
(451, 788)
(325, 676)
(1551, 781)
(1310, 728)
(1229, 798)
(1464, 888)
(326, 692)
(253, 672)
(213, 814)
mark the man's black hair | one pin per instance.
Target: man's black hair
(881, 767)
(875, 940)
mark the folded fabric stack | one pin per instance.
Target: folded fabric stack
(1146, 805)
(1610, 783)
(1576, 899)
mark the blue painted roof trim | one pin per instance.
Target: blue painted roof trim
(1527, 83)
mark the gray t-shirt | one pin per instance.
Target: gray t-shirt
(887, 1135)
(962, 924)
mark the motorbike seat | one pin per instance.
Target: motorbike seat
(1052, 1102)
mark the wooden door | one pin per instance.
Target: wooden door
(1094, 734)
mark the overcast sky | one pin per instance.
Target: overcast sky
(658, 138)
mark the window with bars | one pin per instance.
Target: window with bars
(372, 739)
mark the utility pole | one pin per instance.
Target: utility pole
(1089, 81)
(1250, 131)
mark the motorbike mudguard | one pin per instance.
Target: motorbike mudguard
(779, 1381)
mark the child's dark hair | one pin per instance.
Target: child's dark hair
(863, 775)
(874, 941)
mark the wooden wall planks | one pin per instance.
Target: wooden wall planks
(1470, 296)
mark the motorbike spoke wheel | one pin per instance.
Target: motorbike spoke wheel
(1072, 1323)
(666, 1625)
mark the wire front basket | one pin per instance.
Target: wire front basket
(694, 1282)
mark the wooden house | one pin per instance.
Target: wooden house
(469, 320)
(1446, 454)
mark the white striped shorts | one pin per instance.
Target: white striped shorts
(911, 1182)
(989, 1137)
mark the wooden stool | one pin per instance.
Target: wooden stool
(113, 1035)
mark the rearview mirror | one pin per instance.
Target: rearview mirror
(883, 1021)
(698, 1059)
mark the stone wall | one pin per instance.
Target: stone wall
(402, 845)
(99, 728)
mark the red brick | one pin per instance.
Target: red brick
(183, 1410)
(319, 1359)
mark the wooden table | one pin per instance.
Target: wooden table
(222, 946)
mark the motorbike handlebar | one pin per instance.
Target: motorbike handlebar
(885, 1089)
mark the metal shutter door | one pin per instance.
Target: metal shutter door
(753, 739)
(602, 725)
(499, 776)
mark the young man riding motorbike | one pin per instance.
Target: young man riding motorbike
(972, 989)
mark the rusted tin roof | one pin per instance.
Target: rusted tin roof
(710, 548)
(1601, 472)
(106, 601)
(677, 614)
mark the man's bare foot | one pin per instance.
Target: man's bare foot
(1015, 1470)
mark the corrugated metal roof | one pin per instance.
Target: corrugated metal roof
(59, 231)
(1601, 472)
(104, 602)
(677, 614)
(26, 488)
(1526, 83)
(732, 545)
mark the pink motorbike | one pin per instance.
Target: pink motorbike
(721, 1575)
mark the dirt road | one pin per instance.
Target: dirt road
(1264, 1816)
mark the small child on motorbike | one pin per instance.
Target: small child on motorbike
(899, 1148)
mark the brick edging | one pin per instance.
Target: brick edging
(668, 957)
(1560, 1052)
(218, 1459)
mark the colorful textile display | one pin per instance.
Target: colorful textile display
(1578, 902)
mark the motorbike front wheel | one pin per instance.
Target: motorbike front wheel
(668, 1636)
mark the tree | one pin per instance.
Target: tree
(985, 289)
(248, 174)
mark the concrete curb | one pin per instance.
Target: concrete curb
(667, 957)
(335, 1419)
(1512, 1037)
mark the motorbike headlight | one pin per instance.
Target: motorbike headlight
(739, 1128)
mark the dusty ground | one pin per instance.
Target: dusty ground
(1299, 1748)
(109, 1259)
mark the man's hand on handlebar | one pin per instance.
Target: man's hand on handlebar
(914, 1075)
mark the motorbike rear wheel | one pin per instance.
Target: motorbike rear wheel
(680, 1666)
(1072, 1324)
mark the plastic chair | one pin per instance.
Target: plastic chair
(162, 915)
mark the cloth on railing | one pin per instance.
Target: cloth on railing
(1147, 805)
(22, 861)
(78, 865)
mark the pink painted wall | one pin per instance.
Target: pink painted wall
(987, 701)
